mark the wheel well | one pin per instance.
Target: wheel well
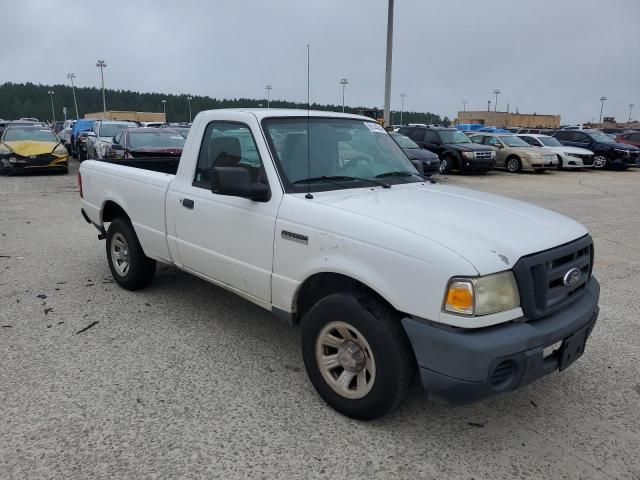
(321, 285)
(111, 211)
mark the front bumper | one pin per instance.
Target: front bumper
(18, 163)
(459, 366)
(476, 164)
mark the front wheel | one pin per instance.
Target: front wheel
(514, 165)
(130, 267)
(357, 355)
(599, 161)
(445, 165)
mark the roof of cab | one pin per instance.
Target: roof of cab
(261, 113)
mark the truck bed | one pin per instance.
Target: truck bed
(156, 164)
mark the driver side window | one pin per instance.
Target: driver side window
(227, 144)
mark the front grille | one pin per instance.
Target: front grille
(485, 155)
(586, 159)
(36, 160)
(540, 277)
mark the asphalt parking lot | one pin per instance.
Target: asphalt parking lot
(186, 380)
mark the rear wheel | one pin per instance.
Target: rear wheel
(130, 267)
(514, 165)
(446, 164)
(357, 355)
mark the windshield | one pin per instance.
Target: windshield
(17, 134)
(453, 136)
(110, 129)
(601, 137)
(511, 141)
(404, 142)
(550, 141)
(156, 139)
(337, 147)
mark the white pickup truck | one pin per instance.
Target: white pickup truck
(320, 218)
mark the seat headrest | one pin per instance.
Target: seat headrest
(224, 151)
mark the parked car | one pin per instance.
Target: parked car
(429, 160)
(100, 137)
(568, 157)
(79, 142)
(455, 150)
(25, 147)
(514, 154)
(57, 126)
(65, 133)
(145, 142)
(607, 153)
(630, 138)
(444, 288)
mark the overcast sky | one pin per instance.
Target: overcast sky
(546, 56)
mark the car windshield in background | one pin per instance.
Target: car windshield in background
(182, 131)
(405, 142)
(156, 139)
(21, 134)
(111, 129)
(349, 152)
(601, 137)
(453, 136)
(550, 141)
(511, 141)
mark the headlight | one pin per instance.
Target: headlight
(482, 295)
(467, 154)
(624, 152)
(4, 150)
(493, 154)
(60, 150)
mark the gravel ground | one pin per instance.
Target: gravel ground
(185, 380)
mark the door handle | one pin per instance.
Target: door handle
(187, 203)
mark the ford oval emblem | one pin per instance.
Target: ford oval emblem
(572, 277)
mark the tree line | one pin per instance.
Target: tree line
(19, 100)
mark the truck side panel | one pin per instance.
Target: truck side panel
(140, 193)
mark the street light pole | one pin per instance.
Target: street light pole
(602, 100)
(189, 98)
(71, 76)
(164, 108)
(343, 82)
(102, 65)
(495, 105)
(402, 96)
(53, 110)
(631, 105)
(268, 88)
(387, 78)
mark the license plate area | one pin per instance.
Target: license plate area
(573, 347)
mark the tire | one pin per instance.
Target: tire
(445, 165)
(600, 161)
(514, 164)
(374, 350)
(132, 269)
(559, 166)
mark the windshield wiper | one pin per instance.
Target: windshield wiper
(331, 178)
(405, 173)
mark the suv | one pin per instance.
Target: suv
(607, 153)
(454, 148)
(101, 136)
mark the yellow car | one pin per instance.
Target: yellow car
(27, 147)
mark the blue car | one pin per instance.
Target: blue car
(79, 142)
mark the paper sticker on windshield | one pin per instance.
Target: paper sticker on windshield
(375, 127)
(176, 137)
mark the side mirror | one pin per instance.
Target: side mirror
(236, 182)
(499, 145)
(419, 166)
(117, 146)
(91, 134)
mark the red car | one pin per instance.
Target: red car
(136, 143)
(631, 138)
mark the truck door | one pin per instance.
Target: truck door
(227, 238)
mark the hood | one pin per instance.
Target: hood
(623, 146)
(420, 154)
(565, 149)
(27, 148)
(490, 231)
(155, 152)
(468, 147)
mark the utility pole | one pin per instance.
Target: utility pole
(602, 100)
(464, 105)
(344, 82)
(53, 110)
(488, 105)
(102, 65)
(189, 98)
(268, 88)
(631, 105)
(387, 78)
(402, 96)
(71, 76)
(495, 105)
(164, 108)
